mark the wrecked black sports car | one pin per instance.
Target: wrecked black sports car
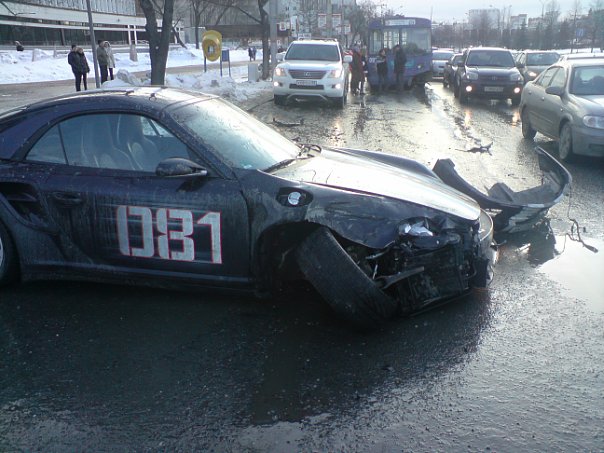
(166, 187)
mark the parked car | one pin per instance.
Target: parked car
(581, 55)
(530, 63)
(312, 70)
(451, 68)
(566, 103)
(488, 72)
(160, 186)
(439, 59)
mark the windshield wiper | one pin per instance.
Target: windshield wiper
(306, 148)
(278, 165)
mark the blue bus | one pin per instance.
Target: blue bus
(414, 34)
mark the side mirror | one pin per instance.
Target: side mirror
(520, 66)
(556, 91)
(280, 56)
(347, 58)
(177, 166)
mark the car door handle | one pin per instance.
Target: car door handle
(67, 199)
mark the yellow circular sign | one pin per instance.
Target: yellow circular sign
(211, 43)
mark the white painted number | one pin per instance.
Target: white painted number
(172, 243)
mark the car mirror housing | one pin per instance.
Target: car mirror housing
(556, 91)
(347, 58)
(177, 166)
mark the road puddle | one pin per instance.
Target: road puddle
(578, 269)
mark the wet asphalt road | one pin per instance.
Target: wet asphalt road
(515, 368)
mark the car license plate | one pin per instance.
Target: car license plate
(493, 89)
(306, 83)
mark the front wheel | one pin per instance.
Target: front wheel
(565, 146)
(527, 129)
(339, 280)
(279, 99)
(516, 101)
(456, 90)
(8, 257)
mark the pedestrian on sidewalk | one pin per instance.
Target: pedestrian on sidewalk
(110, 57)
(103, 59)
(79, 66)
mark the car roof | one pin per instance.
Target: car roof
(142, 97)
(581, 55)
(324, 42)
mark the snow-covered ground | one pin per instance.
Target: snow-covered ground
(36, 65)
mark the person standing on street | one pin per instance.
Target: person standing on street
(103, 59)
(79, 66)
(110, 57)
(381, 63)
(356, 70)
(400, 59)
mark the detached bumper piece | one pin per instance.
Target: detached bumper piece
(513, 211)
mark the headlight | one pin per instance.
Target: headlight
(516, 77)
(335, 74)
(471, 76)
(279, 71)
(596, 122)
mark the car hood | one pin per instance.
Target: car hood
(310, 64)
(492, 71)
(342, 171)
(594, 103)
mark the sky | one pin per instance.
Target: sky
(36, 65)
(454, 10)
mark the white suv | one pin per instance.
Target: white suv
(312, 69)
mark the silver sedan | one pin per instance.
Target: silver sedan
(566, 103)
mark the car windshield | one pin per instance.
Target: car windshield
(319, 52)
(542, 58)
(496, 58)
(236, 137)
(441, 55)
(587, 81)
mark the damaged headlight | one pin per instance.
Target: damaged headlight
(427, 234)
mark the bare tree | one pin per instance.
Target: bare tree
(159, 41)
(359, 16)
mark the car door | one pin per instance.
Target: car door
(535, 99)
(552, 106)
(114, 216)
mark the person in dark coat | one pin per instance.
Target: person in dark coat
(79, 66)
(20, 47)
(381, 63)
(400, 59)
(356, 71)
(103, 59)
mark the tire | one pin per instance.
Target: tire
(445, 82)
(516, 101)
(337, 278)
(8, 257)
(565, 144)
(279, 99)
(527, 129)
(341, 101)
(456, 90)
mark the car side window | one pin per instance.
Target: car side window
(146, 142)
(559, 79)
(547, 77)
(113, 141)
(48, 149)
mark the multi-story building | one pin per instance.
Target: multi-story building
(61, 22)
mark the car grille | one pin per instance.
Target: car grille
(293, 86)
(301, 74)
(494, 79)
